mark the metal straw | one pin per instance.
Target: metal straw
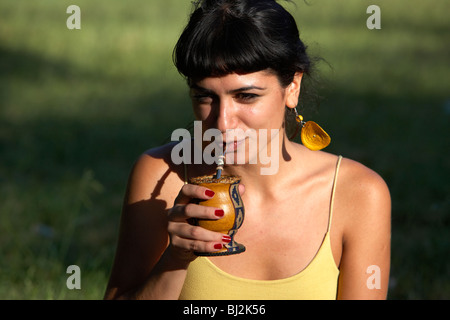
(220, 163)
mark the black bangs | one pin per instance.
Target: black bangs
(242, 36)
(238, 38)
(229, 48)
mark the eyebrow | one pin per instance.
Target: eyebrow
(247, 88)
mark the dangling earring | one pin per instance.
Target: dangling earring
(312, 135)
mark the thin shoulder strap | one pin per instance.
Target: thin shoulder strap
(185, 174)
(338, 164)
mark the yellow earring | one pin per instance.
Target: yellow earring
(312, 135)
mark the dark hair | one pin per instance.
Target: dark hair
(225, 36)
(244, 36)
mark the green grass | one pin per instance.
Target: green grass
(78, 106)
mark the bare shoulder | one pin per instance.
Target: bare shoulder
(362, 182)
(362, 196)
(152, 174)
(152, 187)
(363, 209)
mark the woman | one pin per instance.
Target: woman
(317, 228)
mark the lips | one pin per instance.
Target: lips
(232, 146)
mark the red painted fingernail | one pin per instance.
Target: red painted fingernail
(209, 193)
(218, 246)
(219, 213)
(226, 239)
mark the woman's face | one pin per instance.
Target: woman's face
(244, 103)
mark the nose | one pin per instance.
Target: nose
(225, 114)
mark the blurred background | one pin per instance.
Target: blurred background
(78, 106)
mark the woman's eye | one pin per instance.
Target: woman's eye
(202, 98)
(246, 97)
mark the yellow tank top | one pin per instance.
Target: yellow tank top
(318, 281)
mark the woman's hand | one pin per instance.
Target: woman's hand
(186, 238)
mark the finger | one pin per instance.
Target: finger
(181, 213)
(190, 232)
(198, 245)
(190, 191)
(185, 236)
(241, 189)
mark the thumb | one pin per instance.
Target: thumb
(241, 189)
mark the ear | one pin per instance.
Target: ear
(293, 90)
